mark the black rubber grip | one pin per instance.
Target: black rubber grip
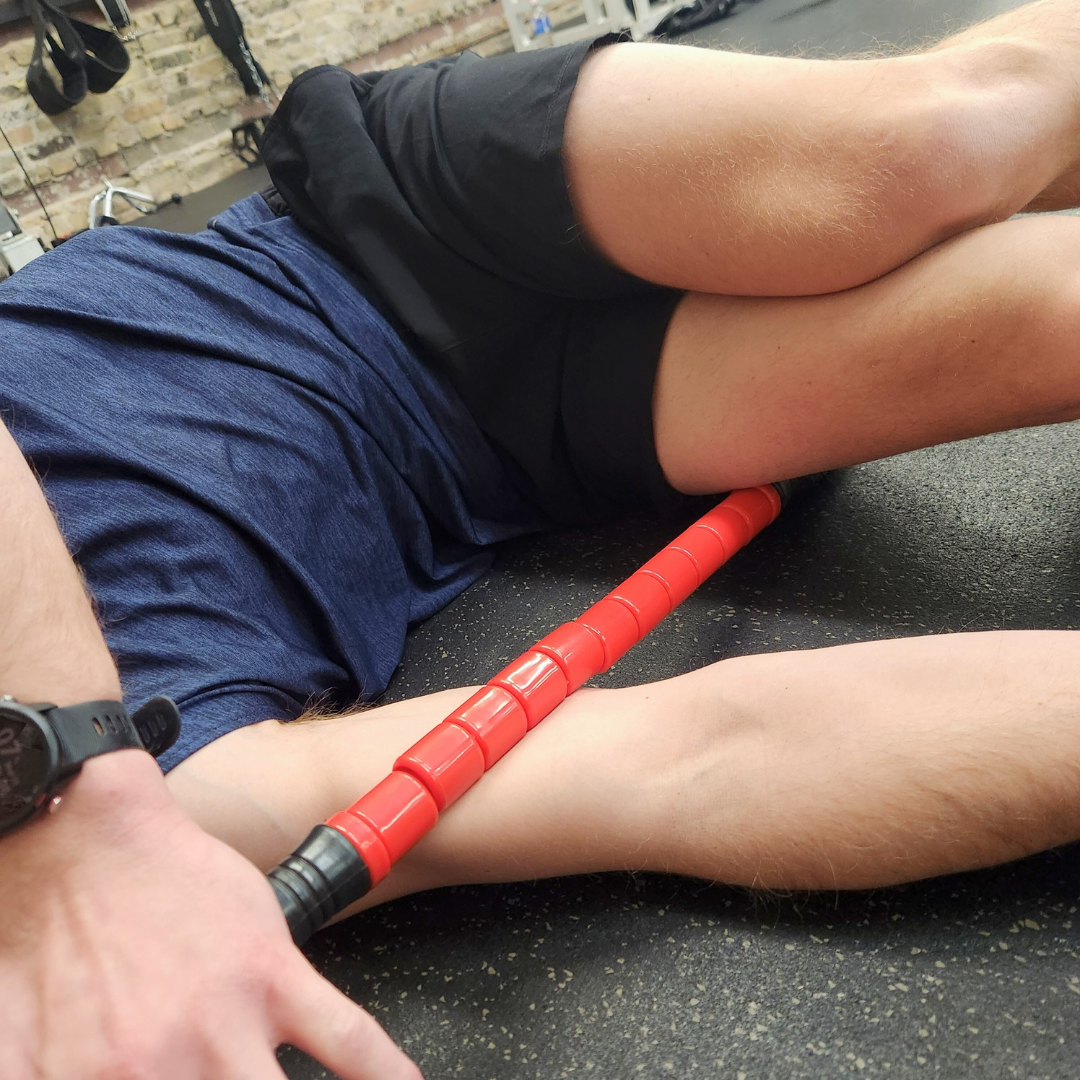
(323, 876)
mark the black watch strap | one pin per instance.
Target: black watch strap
(158, 724)
(89, 729)
(100, 727)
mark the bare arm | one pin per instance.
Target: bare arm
(889, 761)
(50, 643)
(849, 767)
(100, 900)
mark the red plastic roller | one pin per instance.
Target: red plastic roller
(577, 650)
(367, 843)
(447, 761)
(614, 624)
(496, 719)
(677, 570)
(400, 809)
(537, 681)
(340, 861)
(647, 599)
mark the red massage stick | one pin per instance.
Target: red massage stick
(342, 860)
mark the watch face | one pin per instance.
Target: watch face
(25, 765)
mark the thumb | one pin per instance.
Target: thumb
(317, 1018)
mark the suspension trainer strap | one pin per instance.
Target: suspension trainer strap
(67, 53)
(86, 58)
(116, 13)
(106, 58)
(227, 31)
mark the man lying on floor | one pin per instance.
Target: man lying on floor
(485, 298)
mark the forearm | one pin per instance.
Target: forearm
(870, 764)
(556, 804)
(848, 767)
(51, 648)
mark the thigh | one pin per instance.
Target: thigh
(976, 335)
(726, 173)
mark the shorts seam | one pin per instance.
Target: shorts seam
(554, 100)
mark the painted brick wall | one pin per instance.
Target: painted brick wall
(166, 126)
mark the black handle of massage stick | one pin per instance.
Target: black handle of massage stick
(322, 877)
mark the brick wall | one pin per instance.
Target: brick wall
(166, 126)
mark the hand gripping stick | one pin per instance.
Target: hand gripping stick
(345, 858)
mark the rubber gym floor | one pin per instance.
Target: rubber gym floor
(619, 976)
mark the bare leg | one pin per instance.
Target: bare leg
(851, 767)
(979, 334)
(745, 175)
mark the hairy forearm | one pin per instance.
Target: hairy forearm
(870, 764)
(849, 767)
(50, 645)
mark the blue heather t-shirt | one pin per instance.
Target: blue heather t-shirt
(262, 485)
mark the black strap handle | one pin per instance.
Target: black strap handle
(85, 57)
(67, 53)
(227, 31)
(116, 13)
(106, 58)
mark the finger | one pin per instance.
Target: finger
(319, 1019)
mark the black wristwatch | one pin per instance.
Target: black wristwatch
(42, 747)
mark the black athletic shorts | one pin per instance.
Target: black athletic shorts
(443, 185)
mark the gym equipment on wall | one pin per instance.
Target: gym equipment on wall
(116, 13)
(699, 13)
(87, 58)
(247, 141)
(224, 26)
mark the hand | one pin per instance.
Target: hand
(133, 944)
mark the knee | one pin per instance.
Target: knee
(988, 126)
